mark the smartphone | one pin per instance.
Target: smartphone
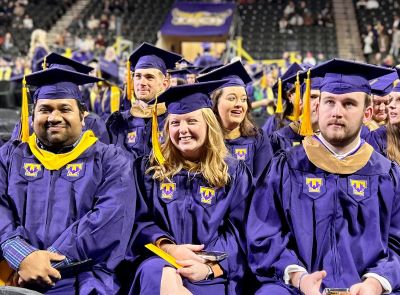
(336, 291)
(75, 268)
(212, 255)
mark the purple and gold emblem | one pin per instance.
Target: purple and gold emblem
(314, 184)
(167, 190)
(358, 187)
(73, 170)
(241, 153)
(206, 194)
(131, 137)
(32, 169)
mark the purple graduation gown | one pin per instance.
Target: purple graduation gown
(378, 140)
(131, 133)
(255, 151)
(271, 124)
(348, 225)
(190, 212)
(83, 213)
(284, 139)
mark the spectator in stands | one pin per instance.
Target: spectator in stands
(283, 23)
(19, 10)
(368, 46)
(289, 10)
(104, 21)
(38, 48)
(8, 43)
(28, 22)
(112, 23)
(372, 4)
(99, 43)
(309, 59)
(395, 47)
(383, 39)
(92, 23)
(296, 20)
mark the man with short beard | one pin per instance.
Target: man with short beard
(326, 214)
(66, 199)
(131, 129)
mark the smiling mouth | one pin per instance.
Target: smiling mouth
(236, 112)
(185, 138)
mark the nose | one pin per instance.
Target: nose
(183, 128)
(337, 111)
(382, 106)
(55, 117)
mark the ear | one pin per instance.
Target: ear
(368, 114)
(166, 83)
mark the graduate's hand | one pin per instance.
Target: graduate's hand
(370, 286)
(311, 283)
(193, 270)
(36, 269)
(171, 283)
(184, 252)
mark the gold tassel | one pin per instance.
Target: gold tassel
(395, 82)
(98, 74)
(114, 99)
(24, 113)
(154, 136)
(44, 65)
(305, 125)
(297, 98)
(279, 104)
(128, 81)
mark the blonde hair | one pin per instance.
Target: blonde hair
(38, 38)
(212, 163)
(393, 143)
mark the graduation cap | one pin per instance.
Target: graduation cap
(188, 98)
(210, 68)
(69, 64)
(288, 84)
(396, 83)
(343, 76)
(179, 73)
(109, 70)
(184, 63)
(53, 83)
(235, 73)
(194, 69)
(182, 99)
(147, 56)
(382, 86)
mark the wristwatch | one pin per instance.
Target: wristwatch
(210, 275)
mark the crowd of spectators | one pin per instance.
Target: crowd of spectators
(381, 45)
(299, 14)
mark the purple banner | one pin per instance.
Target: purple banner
(199, 19)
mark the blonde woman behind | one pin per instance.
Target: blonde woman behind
(38, 48)
(196, 200)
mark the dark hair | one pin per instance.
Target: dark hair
(247, 126)
(288, 108)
